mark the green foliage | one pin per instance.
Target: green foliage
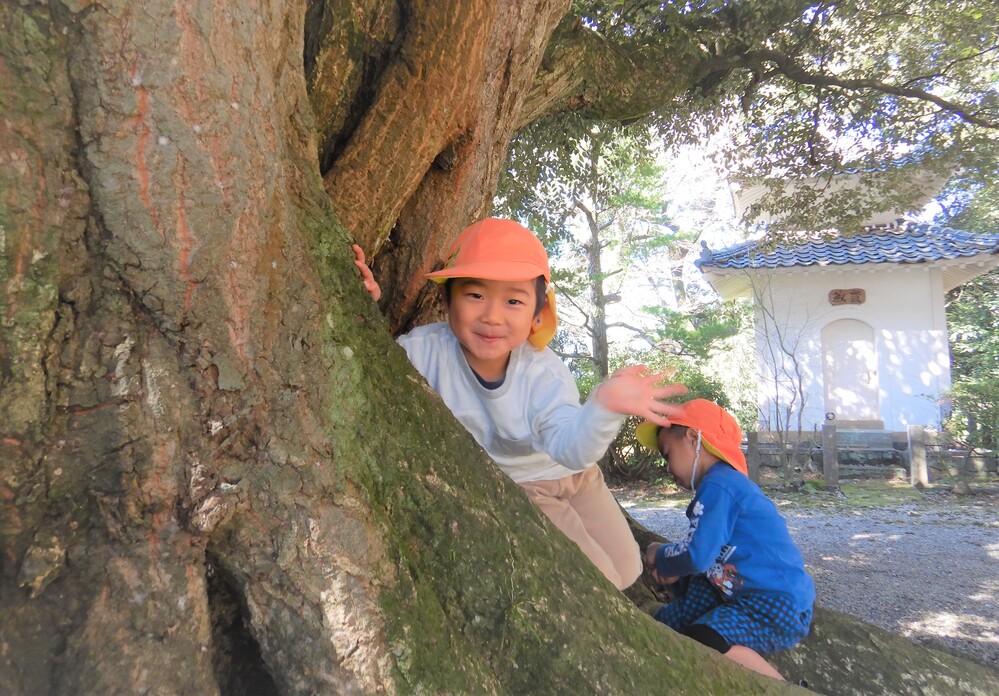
(558, 161)
(971, 312)
(696, 332)
(805, 90)
(971, 318)
(971, 202)
(976, 402)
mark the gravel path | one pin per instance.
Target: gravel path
(927, 570)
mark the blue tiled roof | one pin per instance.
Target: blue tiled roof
(903, 243)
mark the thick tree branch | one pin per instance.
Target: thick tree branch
(583, 71)
(441, 56)
(782, 64)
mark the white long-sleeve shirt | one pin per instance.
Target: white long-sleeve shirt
(532, 425)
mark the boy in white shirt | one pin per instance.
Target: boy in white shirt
(490, 364)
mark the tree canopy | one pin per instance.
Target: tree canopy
(806, 89)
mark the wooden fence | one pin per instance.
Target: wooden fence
(919, 454)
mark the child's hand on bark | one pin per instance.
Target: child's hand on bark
(650, 562)
(370, 284)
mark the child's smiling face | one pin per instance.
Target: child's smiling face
(490, 318)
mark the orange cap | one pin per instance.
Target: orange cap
(720, 433)
(498, 249)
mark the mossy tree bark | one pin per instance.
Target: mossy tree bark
(218, 473)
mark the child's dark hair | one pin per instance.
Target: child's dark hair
(674, 429)
(540, 287)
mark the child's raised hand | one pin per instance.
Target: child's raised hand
(634, 391)
(370, 284)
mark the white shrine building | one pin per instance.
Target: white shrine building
(851, 329)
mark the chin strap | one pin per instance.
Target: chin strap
(697, 454)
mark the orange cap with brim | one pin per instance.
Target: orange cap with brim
(720, 433)
(498, 249)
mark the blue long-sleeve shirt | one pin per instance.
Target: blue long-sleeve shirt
(739, 540)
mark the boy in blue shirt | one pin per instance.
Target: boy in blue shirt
(491, 365)
(744, 588)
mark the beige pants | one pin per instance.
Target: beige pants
(584, 509)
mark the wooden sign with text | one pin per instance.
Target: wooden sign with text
(850, 296)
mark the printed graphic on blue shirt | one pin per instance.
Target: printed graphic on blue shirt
(724, 575)
(680, 547)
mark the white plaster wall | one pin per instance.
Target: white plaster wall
(904, 306)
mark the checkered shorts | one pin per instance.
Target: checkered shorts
(766, 622)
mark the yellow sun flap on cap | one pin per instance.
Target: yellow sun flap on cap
(544, 329)
(647, 435)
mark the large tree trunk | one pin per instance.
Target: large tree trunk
(218, 473)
